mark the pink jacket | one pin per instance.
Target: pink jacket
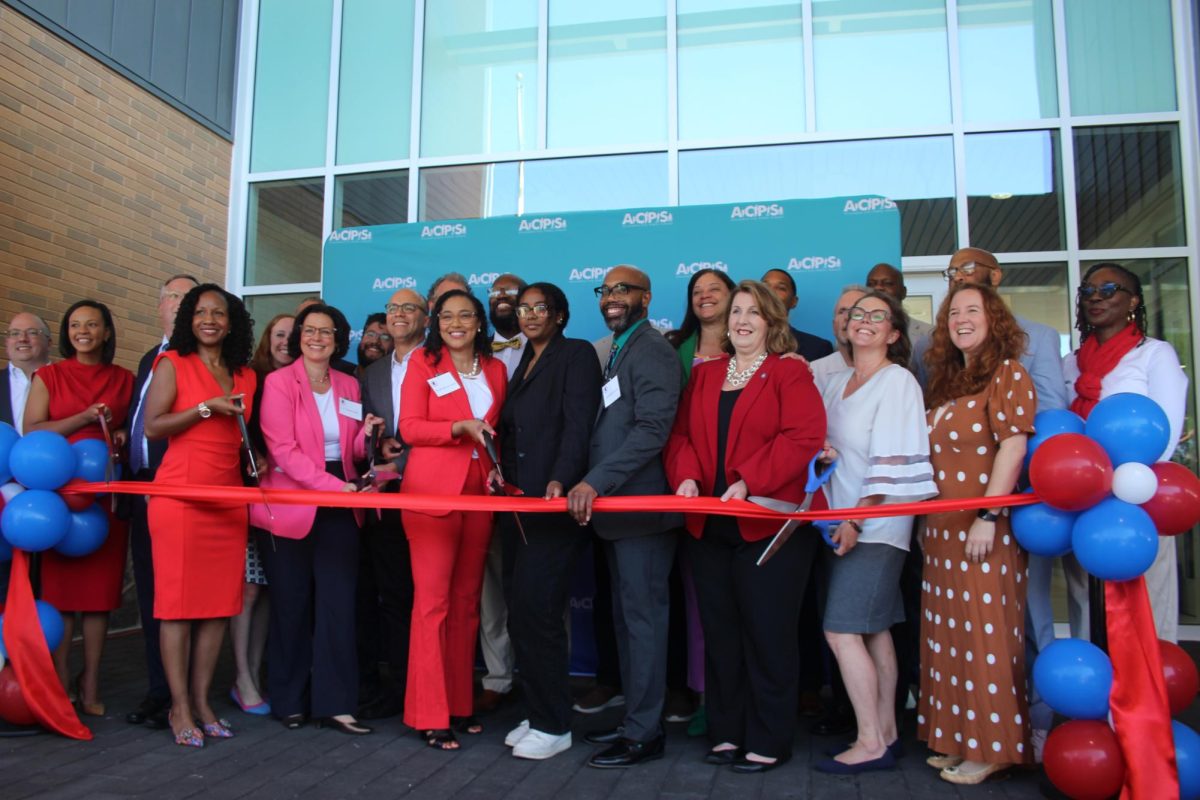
(291, 426)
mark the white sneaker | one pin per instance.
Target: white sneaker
(517, 734)
(538, 745)
(1038, 739)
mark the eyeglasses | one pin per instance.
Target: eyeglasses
(20, 333)
(371, 336)
(318, 333)
(965, 269)
(495, 293)
(877, 316)
(462, 316)
(536, 310)
(619, 290)
(1106, 290)
(402, 308)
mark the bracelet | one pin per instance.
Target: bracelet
(854, 525)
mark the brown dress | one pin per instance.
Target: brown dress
(973, 691)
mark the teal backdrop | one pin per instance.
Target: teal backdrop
(824, 244)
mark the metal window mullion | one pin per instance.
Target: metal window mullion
(1066, 143)
(543, 70)
(672, 9)
(810, 60)
(239, 165)
(331, 120)
(414, 123)
(957, 136)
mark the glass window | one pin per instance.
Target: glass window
(1006, 60)
(917, 173)
(1014, 191)
(291, 85)
(377, 198)
(607, 80)
(554, 185)
(880, 63)
(1040, 292)
(263, 307)
(375, 81)
(480, 81)
(741, 68)
(1120, 56)
(283, 232)
(1129, 186)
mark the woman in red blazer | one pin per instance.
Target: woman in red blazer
(749, 425)
(449, 403)
(313, 426)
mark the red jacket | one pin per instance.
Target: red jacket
(778, 426)
(439, 462)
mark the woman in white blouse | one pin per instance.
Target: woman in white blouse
(877, 432)
(1115, 355)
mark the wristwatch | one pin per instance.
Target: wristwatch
(987, 516)
(205, 411)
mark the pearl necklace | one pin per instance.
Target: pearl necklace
(738, 378)
(475, 370)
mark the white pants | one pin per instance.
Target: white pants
(1162, 584)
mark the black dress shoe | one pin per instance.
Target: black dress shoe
(604, 737)
(382, 707)
(293, 721)
(627, 753)
(352, 728)
(745, 766)
(149, 707)
(722, 758)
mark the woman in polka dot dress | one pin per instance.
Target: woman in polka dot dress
(973, 710)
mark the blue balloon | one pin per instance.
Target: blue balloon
(1043, 530)
(1187, 759)
(51, 622)
(1074, 677)
(87, 532)
(1115, 540)
(8, 437)
(92, 459)
(1052, 422)
(35, 520)
(42, 460)
(1130, 427)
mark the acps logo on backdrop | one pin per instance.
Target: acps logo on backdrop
(351, 235)
(443, 230)
(866, 205)
(814, 264)
(646, 218)
(687, 269)
(541, 225)
(756, 211)
(587, 274)
(393, 282)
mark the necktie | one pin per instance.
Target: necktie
(514, 343)
(612, 360)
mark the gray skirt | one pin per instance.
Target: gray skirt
(864, 589)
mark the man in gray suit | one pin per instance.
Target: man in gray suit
(384, 546)
(642, 380)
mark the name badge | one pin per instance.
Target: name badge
(443, 384)
(349, 408)
(612, 392)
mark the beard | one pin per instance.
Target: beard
(634, 311)
(365, 357)
(504, 321)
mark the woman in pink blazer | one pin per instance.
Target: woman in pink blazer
(313, 426)
(449, 403)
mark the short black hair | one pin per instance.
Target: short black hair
(555, 298)
(483, 339)
(791, 281)
(238, 345)
(108, 351)
(341, 330)
(378, 316)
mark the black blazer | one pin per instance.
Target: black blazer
(546, 423)
(6, 410)
(376, 390)
(158, 448)
(811, 347)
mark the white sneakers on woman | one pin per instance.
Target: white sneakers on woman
(536, 745)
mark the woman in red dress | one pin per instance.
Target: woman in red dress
(201, 383)
(69, 398)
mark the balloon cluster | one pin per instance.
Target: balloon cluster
(1106, 499)
(34, 517)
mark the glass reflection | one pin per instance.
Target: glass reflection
(376, 198)
(375, 81)
(1120, 56)
(1014, 200)
(880, 63)
(918, 173)
(1006, 57)
(741, 68)
(1040, 292)
(283, 242)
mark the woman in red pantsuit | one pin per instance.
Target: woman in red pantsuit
(69, 398)
(449, 403)
(200, 385)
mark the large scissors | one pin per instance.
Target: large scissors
(504, 487)
(241, 419)
(110, 463)
(816, 479)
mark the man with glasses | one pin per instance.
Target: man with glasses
(375, 343)
(27, 345)
(1043, 359)
(642, 380)
(385, 570)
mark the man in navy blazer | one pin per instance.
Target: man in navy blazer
(144, 458)
(642, 380)
(784, 286)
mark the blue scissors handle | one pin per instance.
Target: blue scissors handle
(817, 480)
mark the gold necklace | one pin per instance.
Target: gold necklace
(738, 378)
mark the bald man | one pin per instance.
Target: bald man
(838, 361)
(885, 278)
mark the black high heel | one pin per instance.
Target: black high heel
(352, 728)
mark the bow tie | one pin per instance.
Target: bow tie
(514, 343)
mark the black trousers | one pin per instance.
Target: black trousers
(311, 646)
(608, 665)
(386, 569)
(539, 590)
(143, 576)
(750, 616)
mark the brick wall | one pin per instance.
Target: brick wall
(105, 190)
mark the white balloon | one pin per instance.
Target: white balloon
(1134, 483)
(10, 490)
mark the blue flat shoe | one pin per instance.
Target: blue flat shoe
(833, 767)
(896, 748)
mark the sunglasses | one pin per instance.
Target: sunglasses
(1106, 290)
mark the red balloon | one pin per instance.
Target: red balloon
(1181, 676)
(1175, 507)
(77, 502)
(1071, 472)
(1082, 759)
(12, 703)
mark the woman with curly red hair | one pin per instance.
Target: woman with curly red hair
(973, 710)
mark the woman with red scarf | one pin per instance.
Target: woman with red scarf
(1116, 356)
